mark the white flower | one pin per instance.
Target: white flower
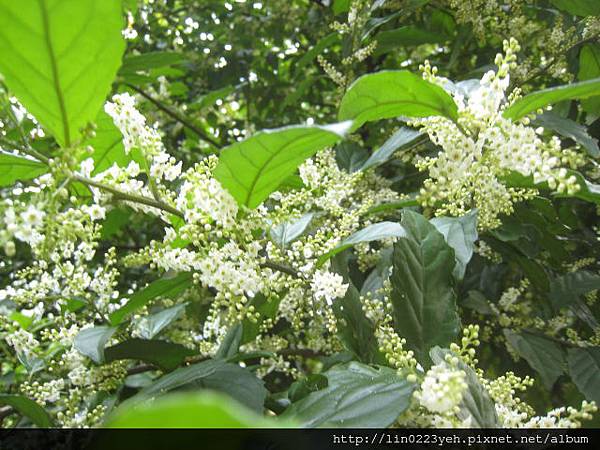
(328, 286)
(442, 388)
(33, 217)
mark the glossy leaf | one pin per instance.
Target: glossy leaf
(60, 57)
(18, 168)
(152, 324)
(570, 129)
(389, 94)
(425, 311)
(401, 138)
(287, 232)
(231, 343)
(165, 355)
(536, 100)
(357, 395)
(373, 232)
(165, 287)
(250, 170)
(460, 234)
(90, 342)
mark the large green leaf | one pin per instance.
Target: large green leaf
(165, 287)
(108, 145)
(28, 408)
(250, 170)
(357, 395)
(584, 368)
(373, 232)
(406, 36)
(589, 68)
(197, 410)
(14, 168)
(543, 355)
(570, 129)
(477, 405)
(460, 234)
(532, 102)
(215, 374)
(91, 342)
(165, 355)
(60, 57)
(389, 94)
(566, 291)
(578, 7)
(425, 311)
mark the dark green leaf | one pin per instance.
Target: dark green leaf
(589, 68)
(356, 396)
(165, 287)
(543, 355)
(584, 368)
(303, 387)
(388, 94)
(165, 355)
(569, 128)
(406, 36)
(532, 102)
(60, 58)
(18, 168)
(425, 311)
(28, 408)
(578, 7)
(250, 170)
(91, 342)
(231, 343)
(152, 324)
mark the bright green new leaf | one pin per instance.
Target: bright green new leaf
(189, 410)
(250, 170)
(388, 94)
(532, 102)
(90, 342)
(18, 168)
(584, 368)
(108, 145)
(425, 311)
(165, 355)
(60, 57)
(28, 408)
(165, 287)
(357, 395)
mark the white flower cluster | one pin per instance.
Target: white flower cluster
(442, 389)
(484, 147)
(328, 286)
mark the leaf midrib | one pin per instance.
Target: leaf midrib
(54, 68)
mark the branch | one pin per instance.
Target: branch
(175, 115)
(280, 268)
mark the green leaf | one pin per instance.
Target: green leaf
(350, 156)
(476, 403)
(570, 129)
(584, 368)
(215, 374)
(373, 232)
(543, 355)
(152, 324)
(578, 7)
(287, 232)
(589, 68)
(566, 291)
(90, 342)
(532, 102)
(189, 410)
(60, 57)
(460, 234)
(399, 139)
(108, 145)
(165, 287)
(303, 387)
(250, 170)
(267, 308)
(150, 60)
(18, 168)
(357, 395)
(389, 94)
(425, 311)
(166, 355)
(27, 408)
(317, 49)
(340, 6)
(231, 343)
